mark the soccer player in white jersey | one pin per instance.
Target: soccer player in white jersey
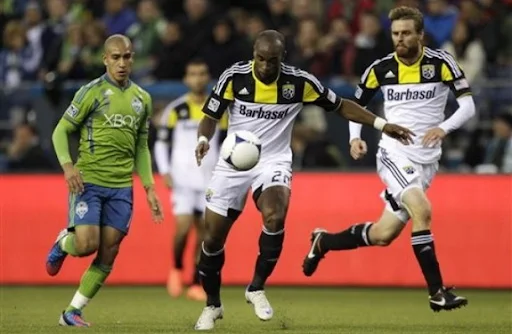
(178, 131)
(415, 82)
(265, 96)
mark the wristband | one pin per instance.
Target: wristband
(379, 123)
(202, 139)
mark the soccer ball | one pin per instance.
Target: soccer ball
(241, 150)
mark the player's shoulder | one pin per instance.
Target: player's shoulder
(382, 62)
(176, 103)
(296, 74)
(139, 90)
(240, 67)
(438, 55)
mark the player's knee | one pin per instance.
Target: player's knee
(383, 238)
(213, 243)
(87, 245)
(419, 207)
(273, 219)
(108, 254)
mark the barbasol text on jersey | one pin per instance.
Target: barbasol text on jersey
(261, 113)
(400, 95)
(120, 121)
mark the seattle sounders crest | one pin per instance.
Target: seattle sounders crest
(137, 105)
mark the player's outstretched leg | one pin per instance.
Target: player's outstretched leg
(419, 208)
(381, 233)
(273, 204)
(175, 279)
(93, 279)
(210, 267)
(195, 291)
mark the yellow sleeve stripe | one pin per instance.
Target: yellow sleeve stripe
(371, 80)
(446, 74)
(228, 93)
(172, 118)
(309, 94)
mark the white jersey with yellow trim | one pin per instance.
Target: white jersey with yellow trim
(178, 132)
(267, 110)
(414, 96)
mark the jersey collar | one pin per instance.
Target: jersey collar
(258, 80)
(115, 84)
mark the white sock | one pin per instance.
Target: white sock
(79, 301)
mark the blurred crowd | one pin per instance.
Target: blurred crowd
(53, 41)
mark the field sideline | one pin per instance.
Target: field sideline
(297, 310)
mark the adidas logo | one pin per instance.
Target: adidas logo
(243, 91)
(109, 92)
(389, 75)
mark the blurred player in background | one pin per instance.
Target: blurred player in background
(265, 96)
(188, 182)
(415, 82)
(112, 115)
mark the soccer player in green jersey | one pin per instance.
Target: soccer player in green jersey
(112, 115)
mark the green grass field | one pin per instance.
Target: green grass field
(297, 310)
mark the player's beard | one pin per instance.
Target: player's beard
(407, 52)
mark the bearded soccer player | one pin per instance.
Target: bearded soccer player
(264, 96)
(112, 116)
(415, 81)
(178, 134)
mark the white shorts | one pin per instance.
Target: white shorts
(227, 192)
(400, 174)
(187, 201)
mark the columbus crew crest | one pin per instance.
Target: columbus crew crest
(137, 105)
(428, 71)
(288, 91)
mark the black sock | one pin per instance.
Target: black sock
(178, 249)
(196, 279)
(353, 237)
(271, 245)
(210, 267)
(423, 245)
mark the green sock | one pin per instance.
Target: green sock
(68, 244)
(90, 284)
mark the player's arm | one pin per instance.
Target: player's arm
(365, 91)
(223, 128)
(219, 100)
(142, 153)
(164, 139)
(453, 76)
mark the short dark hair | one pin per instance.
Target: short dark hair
(407, 13)
(197, 61)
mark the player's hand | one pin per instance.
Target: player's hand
(433, 137)
(73, 178)
(358, 148)
(398, 132)
(168, 180)
(201, 150)
(154, 205)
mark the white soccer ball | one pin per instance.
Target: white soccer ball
(241, 150)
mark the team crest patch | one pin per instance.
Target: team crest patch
(208, 195)
(81, 209)
(72, 111)
(409, 169)
(428, 71)
(288, 91)
(137, 105)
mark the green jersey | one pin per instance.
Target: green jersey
(112, 121)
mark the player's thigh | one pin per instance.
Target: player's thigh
(118, 209)
(227, 193)
(271, 193)
(386, 229)
(84, 217)
(183, 199)
(111, 239)
(216, 230)
(399, 174)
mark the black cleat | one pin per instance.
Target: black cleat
(446, 300)
(315, 254)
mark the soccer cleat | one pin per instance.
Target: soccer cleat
(261, 304)
(175, 283)
(315, 253)
(196, 292)
(56, 256)
(208, 317)
(73, 318)
(444, 299)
